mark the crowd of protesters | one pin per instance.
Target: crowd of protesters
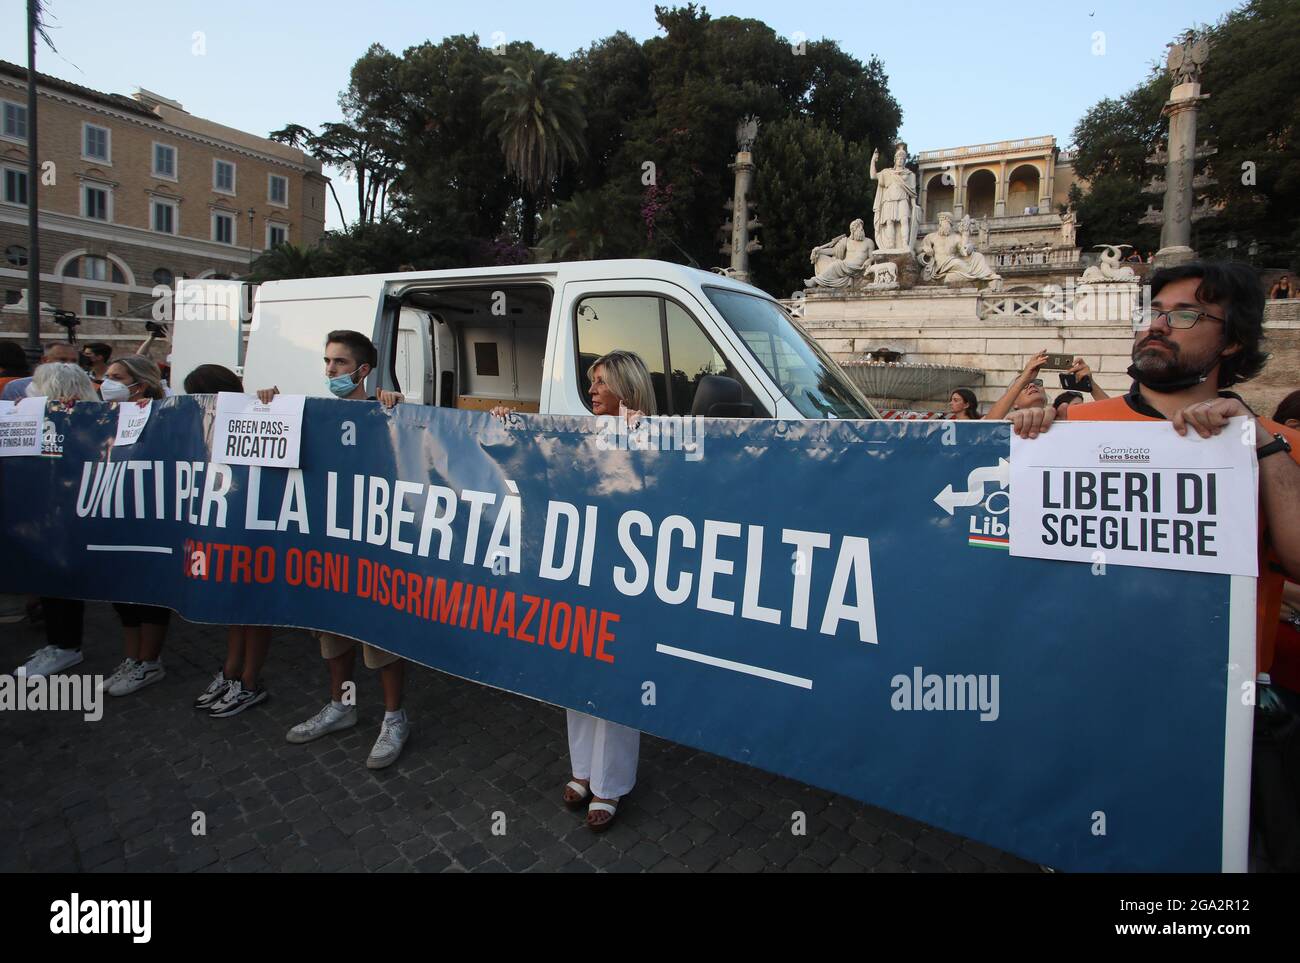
(1202, 335)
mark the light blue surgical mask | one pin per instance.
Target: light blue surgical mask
(343, 385)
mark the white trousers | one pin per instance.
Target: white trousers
(604, 752)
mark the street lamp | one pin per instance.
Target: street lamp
(1253, 250)
(252, 212)
(1231, 244)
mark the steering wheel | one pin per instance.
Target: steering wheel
(789, 389)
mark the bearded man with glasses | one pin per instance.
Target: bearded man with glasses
(1203, 334)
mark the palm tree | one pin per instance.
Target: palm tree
(588, 226)
(536, 112)
(289, 261)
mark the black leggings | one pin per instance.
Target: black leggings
(63, 621)
(133, 616)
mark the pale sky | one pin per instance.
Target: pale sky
(964, 73)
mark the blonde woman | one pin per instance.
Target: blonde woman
(603, 755)
(63, 385)
(132, 379)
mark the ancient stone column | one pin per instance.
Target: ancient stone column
(1186, 60)
(744, 168)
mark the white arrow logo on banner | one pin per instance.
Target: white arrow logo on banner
(975, 481)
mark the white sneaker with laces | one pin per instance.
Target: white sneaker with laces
(122, 671)
(392, 737)
(140, 675)
(213, 693)
(236, 699)
(49, 661)
(330, 719)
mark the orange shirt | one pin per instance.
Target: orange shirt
(1268, 592)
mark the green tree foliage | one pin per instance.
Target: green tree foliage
(1252, 116)
(810, 185)
(535, 111)
(466, 130)
(588, 226)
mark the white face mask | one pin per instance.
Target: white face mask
(112, 390)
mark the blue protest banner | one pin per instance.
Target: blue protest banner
(831, 601)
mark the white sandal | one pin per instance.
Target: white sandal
(583, 793)
(603, 807)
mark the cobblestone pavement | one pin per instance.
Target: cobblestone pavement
(121, 793)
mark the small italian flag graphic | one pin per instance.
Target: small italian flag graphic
(988, 541)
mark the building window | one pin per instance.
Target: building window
(95, 307)
(93, 268)
(276, 234)
(95, 203)
(16, 255)
(223, 177)
(15, 121)
(164, 161)
(164, 217)
(12, 296)
(96, 143)
(164, 276)
(279, 190)
(223, 228)
(15, 186)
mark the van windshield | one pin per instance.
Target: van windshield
(806, 375)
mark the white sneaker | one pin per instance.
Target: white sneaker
(236, 699)
(330, 719)
(140, 675)
(392, 736)
(215, 690)
(49, 661)
(121, 672)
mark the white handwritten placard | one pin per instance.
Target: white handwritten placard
(21, 424)
(247, 432)
(131, 419)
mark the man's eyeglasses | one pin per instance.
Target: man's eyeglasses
(1182, 318)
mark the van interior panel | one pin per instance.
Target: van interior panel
(471, 403)
(498, 336)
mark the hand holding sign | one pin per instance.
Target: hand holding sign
(1208, 418)
(1138, 494)
(251, 432)
(131, 419)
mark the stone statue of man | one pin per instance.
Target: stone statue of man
(839, 262)
(949, 258)
(894, 210)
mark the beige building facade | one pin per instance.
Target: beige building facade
(136, 192)
(1013, 190)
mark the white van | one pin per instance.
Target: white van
(524, 336)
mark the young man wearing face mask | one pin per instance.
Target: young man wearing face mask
(350, 357)
(95, 358)
(1202, 335)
